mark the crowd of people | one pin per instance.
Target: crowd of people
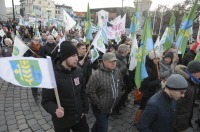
(168, 93)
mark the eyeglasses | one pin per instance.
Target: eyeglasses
(182, 92)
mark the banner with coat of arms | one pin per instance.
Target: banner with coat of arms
(28, 72)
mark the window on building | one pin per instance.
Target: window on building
(58, 12)
(48, 3)
(40, 2)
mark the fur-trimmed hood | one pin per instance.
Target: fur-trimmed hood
(181, 69)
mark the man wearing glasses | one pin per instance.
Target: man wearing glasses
(160, 112)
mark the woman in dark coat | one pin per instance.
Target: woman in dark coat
(149, 85)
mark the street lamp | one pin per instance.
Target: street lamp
(13, 10)
(122, 7)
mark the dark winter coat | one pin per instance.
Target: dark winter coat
(48, 48)
(185, 105)
(150, 84)
(104, 89)
(87, 68)
(189, 56)
(72, 96)
(6, 51)
(121, 64)
(159, 114)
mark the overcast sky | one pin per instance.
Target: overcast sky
(81, 5)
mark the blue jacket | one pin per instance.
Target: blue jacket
(159, 114)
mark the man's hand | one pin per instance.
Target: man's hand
(60, 112)
(82, 115)
(81, 62)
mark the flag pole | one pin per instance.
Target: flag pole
(156, 64)
(87, 52)
(57, 97)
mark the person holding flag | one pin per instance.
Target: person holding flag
(71, 90)
(34, 51)
(50, 49)
(150, 84)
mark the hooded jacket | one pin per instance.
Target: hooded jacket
(72, 96)
(185, 105)
(104, 88)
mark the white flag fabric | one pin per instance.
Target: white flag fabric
(28, 71)
(133, 54)
(157, 43)
(61, 40)
(159, 46)
(19, 48)
(54, 33)
(98, 42)
(94, 54)
(2, 33)
(69, 22)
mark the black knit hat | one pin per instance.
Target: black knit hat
(193, 66)
(170, 55)
(67, 50)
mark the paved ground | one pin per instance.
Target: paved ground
(20, 113)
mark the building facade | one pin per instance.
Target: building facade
(59, 12)
(3, 11)
(37, 8)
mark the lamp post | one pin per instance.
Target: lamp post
(122, 7)
(13, 10)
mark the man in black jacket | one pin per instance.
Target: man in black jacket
(71, 90)
(85, 64)
(50, 48)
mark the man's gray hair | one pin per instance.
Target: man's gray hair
(123, 48)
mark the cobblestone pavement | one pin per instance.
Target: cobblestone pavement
(20, 113)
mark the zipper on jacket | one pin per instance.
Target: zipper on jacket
(74, 96)
(115, 92)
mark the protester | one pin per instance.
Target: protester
(104, 91)
(185, 105)
(190, 55)
(34, 51)
(71, 91)
(166, 65)
(7, 50)
(121, 55)
(50, 48)
(150, 84)
(160, 112)
(85, 64)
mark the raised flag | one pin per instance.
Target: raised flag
(182, 38)
(98, 42)
(54, 33)
(135, 25)
(19, 48)
(188, 21)
(67, 19)
(170, 34)
(28, 72)
(94, 54)
(144, 49)
(134, 51)
(88, 24)
(2, 33)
